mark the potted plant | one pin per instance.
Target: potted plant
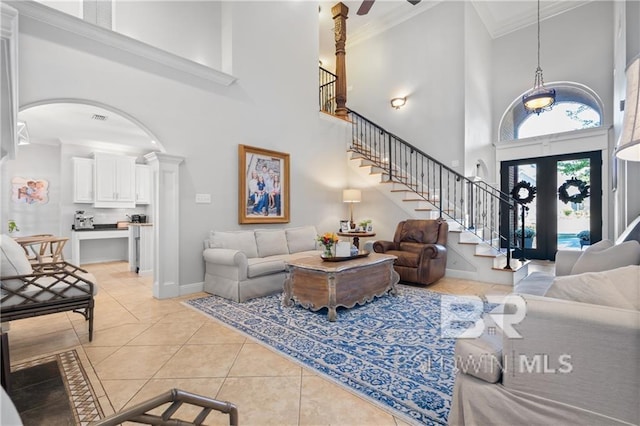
(585, 238)
(529, 233)
(364, 225)
(13, 227)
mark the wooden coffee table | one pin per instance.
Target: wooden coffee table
(316, 284)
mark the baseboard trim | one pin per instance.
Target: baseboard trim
(465, 275)
(191, 288)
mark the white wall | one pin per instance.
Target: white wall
(191, 29)
(478, 149)
(33, 162)
(422, 58)
(272, 105)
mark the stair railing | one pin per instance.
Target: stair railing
(475, 205)
(328, 91)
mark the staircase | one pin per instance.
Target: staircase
(481, 218)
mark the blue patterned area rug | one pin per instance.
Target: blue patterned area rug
(389, 350)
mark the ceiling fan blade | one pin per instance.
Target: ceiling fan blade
(365, 6)
(414, 2)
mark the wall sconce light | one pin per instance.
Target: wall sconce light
(629, 145)
(398, 102)
(351, 196)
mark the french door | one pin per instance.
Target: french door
(562, 215)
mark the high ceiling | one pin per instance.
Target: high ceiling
(73, 123)
(499, 17)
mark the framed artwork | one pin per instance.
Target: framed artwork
(29, 191)
(263, 185)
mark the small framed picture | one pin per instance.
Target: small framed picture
(344, 226)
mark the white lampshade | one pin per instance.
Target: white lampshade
(629, 147)
(351, 195)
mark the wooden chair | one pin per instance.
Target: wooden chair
(141, 413)
(43, 248)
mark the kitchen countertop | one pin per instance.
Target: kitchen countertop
(100, 227)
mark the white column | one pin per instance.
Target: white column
(8, 82)
(165, 202)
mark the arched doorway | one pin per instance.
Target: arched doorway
(557, 151)
(60, 130)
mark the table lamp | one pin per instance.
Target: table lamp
(351, 196)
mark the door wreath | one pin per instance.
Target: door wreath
(573, 191)
(523, 192)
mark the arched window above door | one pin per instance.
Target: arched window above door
(577, 107)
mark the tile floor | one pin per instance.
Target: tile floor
(143, 346)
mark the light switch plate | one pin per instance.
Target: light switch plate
(203, 198)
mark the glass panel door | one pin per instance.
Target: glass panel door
(574, 209)
(561, 216)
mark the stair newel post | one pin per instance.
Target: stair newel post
(522, 248)
(339, 13)
(508, 252)
(510, 205)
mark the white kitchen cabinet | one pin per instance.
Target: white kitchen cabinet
(143, 184)
(115, 181)
(82, 180)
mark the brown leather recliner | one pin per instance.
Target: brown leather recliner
(420, 246)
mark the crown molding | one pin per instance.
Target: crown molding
(389, 20)
(498, 28)
(45, 16)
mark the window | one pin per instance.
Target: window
(577, 107)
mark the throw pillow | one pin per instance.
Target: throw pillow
(14, 262)
(605, 256)
(271, 242)
(244, 241)
(619, 288)
(301, 239)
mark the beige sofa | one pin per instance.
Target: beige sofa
(575, 363)
(241, 265)
(601, 256)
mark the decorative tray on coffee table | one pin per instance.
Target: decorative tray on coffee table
(361, 253)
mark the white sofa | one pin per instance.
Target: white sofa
(241, 265)
(601, 256)
(575, 363)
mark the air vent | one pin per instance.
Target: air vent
(99, 117)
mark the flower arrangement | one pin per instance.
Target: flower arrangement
(328, 240)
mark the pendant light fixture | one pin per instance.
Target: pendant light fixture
(539, 98)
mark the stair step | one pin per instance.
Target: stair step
(516, 265)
